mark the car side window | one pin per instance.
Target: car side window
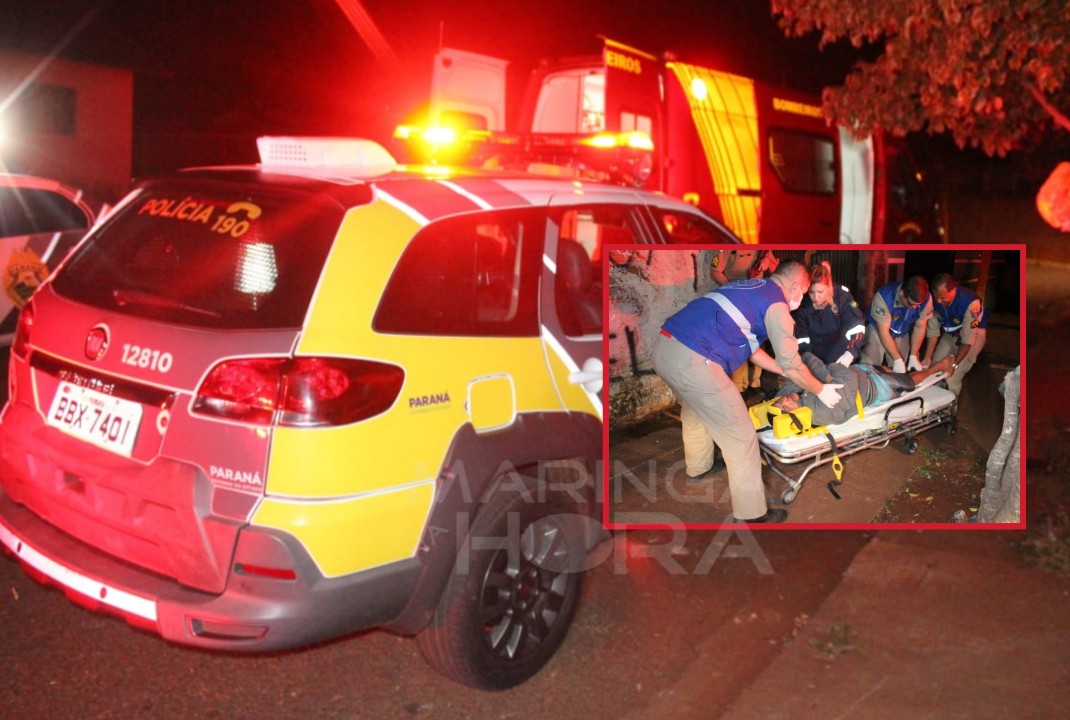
(24, 211)
(473, 275)
(684, 227)
(582, 231)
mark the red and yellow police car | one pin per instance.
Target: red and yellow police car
(267, 405)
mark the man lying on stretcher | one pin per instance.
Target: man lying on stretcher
(865, 384)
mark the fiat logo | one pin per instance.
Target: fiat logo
(96, 344)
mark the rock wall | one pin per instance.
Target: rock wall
(645, 287)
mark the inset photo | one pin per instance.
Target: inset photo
(778, 387)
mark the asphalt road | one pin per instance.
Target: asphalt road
(645, 625)
(660, 607)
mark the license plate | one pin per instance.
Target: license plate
(106, 421)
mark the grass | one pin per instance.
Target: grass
(931, 459)
(835, 642)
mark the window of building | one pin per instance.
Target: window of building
(46, 109)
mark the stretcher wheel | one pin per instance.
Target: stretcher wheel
(912, 446)
(789, 496)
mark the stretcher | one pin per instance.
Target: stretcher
(927, 406)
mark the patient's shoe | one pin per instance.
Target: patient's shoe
(772, 515)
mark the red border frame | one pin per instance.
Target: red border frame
(609, 525)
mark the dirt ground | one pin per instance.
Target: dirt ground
(942, 486)
(951, 474)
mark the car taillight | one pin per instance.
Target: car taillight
(303, 392)
(20, 346)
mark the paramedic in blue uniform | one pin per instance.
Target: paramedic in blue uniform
(829, 323)
(699, 449)
(957, 328)
(705, 341)
(897, 320)
(729, 265)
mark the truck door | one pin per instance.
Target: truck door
(632, 90)
(633, 98)
(799, 161)
(857, 183)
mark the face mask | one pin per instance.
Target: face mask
(794, 303)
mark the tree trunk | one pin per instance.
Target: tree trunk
(1001, 497)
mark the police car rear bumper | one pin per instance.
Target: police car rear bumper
(253, 613)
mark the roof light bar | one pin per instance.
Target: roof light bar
(635, 140)
(298, 152)
(619, 157)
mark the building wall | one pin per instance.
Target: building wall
(94, 153)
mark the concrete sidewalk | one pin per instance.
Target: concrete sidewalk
(926, 624)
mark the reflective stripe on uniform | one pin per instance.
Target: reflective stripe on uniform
(856, 330)
(737, 318)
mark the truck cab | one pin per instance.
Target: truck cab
(762, 159)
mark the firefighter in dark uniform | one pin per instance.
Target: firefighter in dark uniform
(897, 320)
(956, 328)
(829, 323)
(705, 341)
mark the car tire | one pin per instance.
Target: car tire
(512, 594)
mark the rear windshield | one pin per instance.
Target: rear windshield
(213, 257)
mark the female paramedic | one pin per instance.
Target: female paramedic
(829, 322)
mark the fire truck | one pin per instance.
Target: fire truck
(761, 159)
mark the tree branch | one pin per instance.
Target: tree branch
(1059, 118)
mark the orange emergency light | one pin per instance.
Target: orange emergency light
(623, 158)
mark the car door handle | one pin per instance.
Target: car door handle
(590, 376)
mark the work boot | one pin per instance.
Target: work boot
(718, 466)
(772, 515)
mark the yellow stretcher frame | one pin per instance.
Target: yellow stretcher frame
(869, 438)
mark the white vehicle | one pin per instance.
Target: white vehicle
(40, 221)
